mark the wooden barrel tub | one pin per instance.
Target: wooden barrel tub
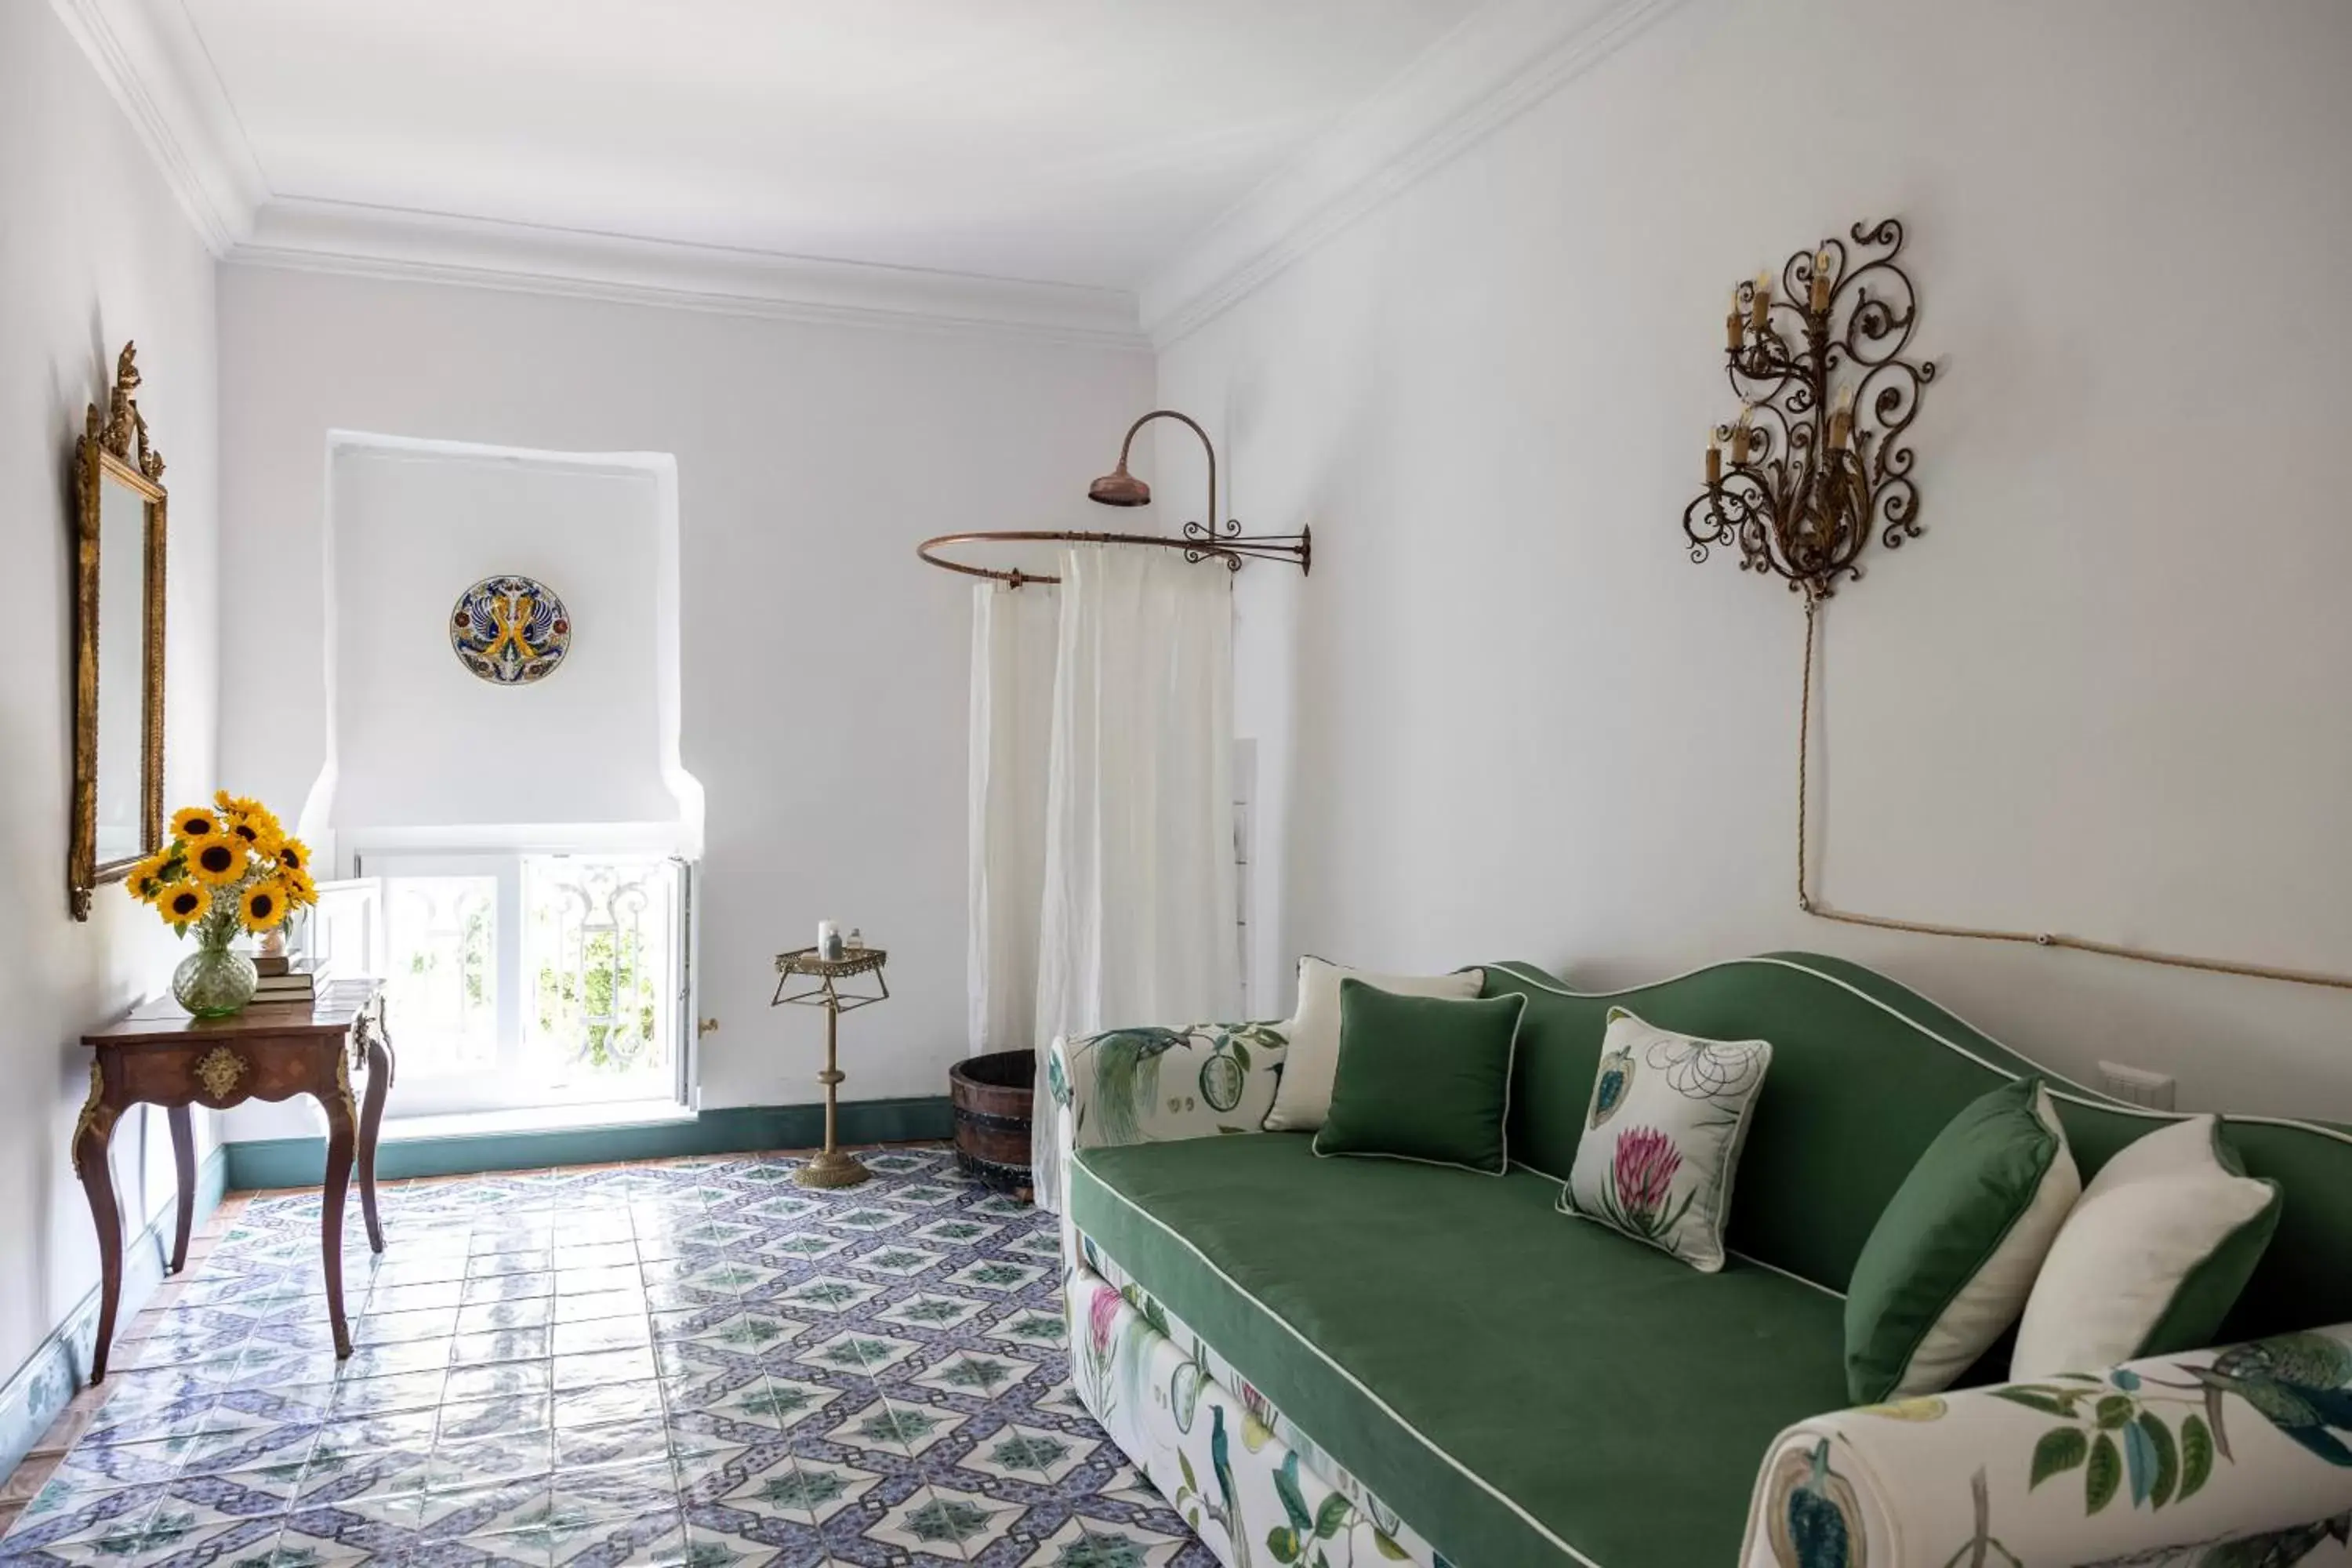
(993, 1097)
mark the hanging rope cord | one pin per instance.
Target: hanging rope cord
(1813, 906)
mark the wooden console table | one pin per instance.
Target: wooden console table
(157, 1055)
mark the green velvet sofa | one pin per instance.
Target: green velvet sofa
(1333, 1360)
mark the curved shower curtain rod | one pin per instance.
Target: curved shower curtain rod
(1199, 541)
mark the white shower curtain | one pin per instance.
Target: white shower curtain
(1135, 918)
(1012, 636)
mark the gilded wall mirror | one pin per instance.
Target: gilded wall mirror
(119, 538)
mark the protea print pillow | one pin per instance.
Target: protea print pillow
(1663, 1134)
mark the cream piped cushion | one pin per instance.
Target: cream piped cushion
(1303, 1099)
(2152, 1256)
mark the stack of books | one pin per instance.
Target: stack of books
(285, 979)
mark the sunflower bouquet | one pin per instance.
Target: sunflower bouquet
(229, 868)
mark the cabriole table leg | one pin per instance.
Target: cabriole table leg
(93, 1134)
(341, 1137)
(184, 1162)
(379, 1085)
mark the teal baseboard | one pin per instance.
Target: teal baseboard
(47, 1383)
(732, 1130)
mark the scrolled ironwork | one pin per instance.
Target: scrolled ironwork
(1812, 477)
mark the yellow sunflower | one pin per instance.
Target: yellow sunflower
(263, 906)
(195, 825)
(184, 903)
(219, 861)
(293, 855)
(148, 878)
(300, 891)
(235, 805)
(259, 834)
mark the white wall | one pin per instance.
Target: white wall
(2103, 694)
(824, 669)
(421, 742)
(93, 251)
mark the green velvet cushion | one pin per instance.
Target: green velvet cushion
(1422, 1078)
(1578, 1381)
(1950, 1263)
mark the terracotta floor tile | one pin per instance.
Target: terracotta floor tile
(28, 1479)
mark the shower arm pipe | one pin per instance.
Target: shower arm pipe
(1200, 541)
(1128, 441)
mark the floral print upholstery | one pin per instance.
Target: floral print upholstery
(1251, 1484)
(1663, 1136)
(2209, 1459)
(1150, 1085)
(1212, 1446)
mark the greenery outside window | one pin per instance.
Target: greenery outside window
(524, 980)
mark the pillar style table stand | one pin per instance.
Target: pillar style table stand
(831, 1167)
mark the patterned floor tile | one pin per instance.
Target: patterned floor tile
(831, 1293)
(889, 1424)
(803, 1489)
(929, 1310)
(678, 1364)
(899, 1260)
(980, 1375)
(1030, 1454)
(763, 1544)
(945, 1522)
(997, 1275)
(856, 1350)
(1030, 1327)
(1094, 1544)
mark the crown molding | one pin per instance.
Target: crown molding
(153, 62)
(154, 65)
(307, 234)
(1505, 58)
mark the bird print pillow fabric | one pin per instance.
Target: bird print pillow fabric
(1663, 1134)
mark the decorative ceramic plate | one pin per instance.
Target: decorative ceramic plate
(511, 631)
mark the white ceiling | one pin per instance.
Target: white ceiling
(1072, 142)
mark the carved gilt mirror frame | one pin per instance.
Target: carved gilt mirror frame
(113, 456)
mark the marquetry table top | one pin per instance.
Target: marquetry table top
(163, 1021)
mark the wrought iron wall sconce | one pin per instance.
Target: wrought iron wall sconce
(1819, 462)
(1816, 467)
(1207, 540)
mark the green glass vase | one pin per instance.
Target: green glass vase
(215, 982)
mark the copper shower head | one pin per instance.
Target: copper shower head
(1120, 488)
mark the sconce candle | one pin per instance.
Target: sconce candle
(1713, 457)
(1815, 478)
